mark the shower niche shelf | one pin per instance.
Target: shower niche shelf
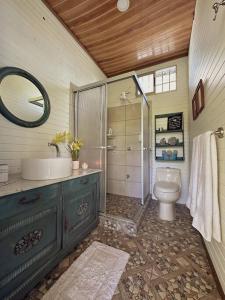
(169, 126)
(110, 136)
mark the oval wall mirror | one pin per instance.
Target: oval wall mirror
(23, 99)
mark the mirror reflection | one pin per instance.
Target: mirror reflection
(22, 98)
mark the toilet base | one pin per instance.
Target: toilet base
(167, 211)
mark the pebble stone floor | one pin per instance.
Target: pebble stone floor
(122, 206)
(167, 261)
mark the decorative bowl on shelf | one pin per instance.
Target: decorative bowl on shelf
(162, 141)
(172, 141)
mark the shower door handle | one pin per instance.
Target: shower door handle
(105, 147)
(110, 147)
(100, 147)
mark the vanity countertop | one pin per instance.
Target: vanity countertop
(17, 184)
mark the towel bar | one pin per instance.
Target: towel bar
(219, 132)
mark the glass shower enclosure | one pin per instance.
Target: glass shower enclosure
(91, 127)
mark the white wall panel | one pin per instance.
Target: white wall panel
(207, 62)
(33, 39)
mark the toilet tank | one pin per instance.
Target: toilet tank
(169, 175)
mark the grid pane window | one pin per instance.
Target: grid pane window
(166, 87)
(158, 89)
(158, 80)
(161, 81)
(165, 80)
(173, 86)
(147, 83)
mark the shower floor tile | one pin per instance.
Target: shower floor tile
(123, 213)
(167, 260)
(122, 206)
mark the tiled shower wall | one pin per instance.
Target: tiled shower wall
(124, 162)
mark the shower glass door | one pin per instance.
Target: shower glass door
(90, 127)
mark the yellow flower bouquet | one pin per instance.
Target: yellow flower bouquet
(74, 149)
(73, 144)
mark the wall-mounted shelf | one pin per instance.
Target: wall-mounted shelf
(110, 136)
(163, 124)
(168, 131)
(169, 146)
(162, 159)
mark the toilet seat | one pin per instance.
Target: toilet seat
(166, 187)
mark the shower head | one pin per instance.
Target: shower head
(123, 96)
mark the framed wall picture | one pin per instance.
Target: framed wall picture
(198, 101)
(200, 97)
(175, 121)
(194, 108)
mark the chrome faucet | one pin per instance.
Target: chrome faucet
(56, 147)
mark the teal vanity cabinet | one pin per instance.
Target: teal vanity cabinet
(30, 236)
(80, 208)
(39, 227)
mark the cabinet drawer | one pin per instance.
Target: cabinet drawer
(23, 202)
(77, 184)
(25, 241)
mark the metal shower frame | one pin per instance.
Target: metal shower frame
(105, 83)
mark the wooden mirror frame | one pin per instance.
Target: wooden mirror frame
(198, 101)
(6, 71)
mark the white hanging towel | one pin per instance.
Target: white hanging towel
(203, 188)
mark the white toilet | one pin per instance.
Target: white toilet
(167, 190)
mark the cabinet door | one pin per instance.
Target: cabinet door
(29, 240)
(81, 205)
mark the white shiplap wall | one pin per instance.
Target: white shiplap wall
(207, 61)
(172, 102)
(33, 39)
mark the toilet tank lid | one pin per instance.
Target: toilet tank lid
(167, 187)
(168, 170)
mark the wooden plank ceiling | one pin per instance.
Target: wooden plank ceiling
(150, 32)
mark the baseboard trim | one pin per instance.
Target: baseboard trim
(218, 284)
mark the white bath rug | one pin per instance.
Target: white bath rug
(93, 276)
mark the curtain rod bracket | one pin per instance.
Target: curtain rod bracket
(219, 132)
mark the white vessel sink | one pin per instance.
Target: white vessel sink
(46, 168)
